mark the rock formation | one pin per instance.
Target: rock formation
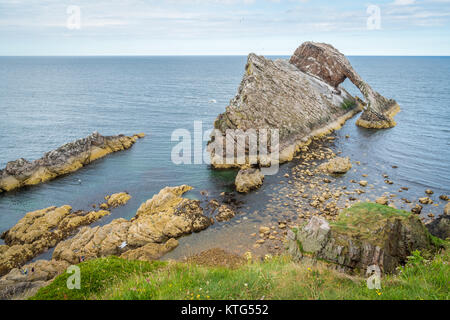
(277, 95)
(40, 230)
(24, 282)
(336, 165)
(327, 63)
(248, 179)
(66, 159)
(362, 236)
(151, 233)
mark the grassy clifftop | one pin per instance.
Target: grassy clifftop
(275, 278)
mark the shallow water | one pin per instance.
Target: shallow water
(48, 101)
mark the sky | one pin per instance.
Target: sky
(222, 27)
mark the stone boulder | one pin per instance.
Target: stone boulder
(327, 63)
(248, 179)
(363, 235)
(336, 165)
(66, 159)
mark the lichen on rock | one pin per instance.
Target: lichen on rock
(66, 159)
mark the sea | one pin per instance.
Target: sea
(46, 102)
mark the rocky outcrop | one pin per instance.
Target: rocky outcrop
(116, 200)
(336, 165)
(163, 218)
(66, 159)
(364, 235)
(24, 282)
(248, 179)
(40, 230)
(327, 63)
(277, 95)
(225, 213)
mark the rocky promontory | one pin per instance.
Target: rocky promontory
(66, 159)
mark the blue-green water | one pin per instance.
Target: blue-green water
(48, 101)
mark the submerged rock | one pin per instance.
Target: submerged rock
(336, 165)
(327, 63)
(164, 217)
(225, 213)
(66, 159)
(248, 179)
(364, 235)
(277, 95)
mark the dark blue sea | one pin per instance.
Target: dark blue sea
(48, 101)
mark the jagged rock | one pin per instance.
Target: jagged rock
(447, 209)
(417, 209)
(68, 158)
(166, 215)
(225, 213)
(19, 285)
(382, 200)
(151, 251)
(327, 63)
(364, 235)
(40, 230)
(277, 95)
(440, 227)
(248, 179)
(336, 165)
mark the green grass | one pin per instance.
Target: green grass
(348, 104)
(276, 278)
(96, 275)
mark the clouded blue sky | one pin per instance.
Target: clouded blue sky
(179, 27)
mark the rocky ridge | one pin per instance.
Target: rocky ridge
(66, 159)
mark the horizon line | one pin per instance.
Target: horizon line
(208, 55)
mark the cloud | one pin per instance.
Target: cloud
(404, 2)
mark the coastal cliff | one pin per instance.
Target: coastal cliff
(66, 159)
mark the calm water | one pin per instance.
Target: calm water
(48, 101)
